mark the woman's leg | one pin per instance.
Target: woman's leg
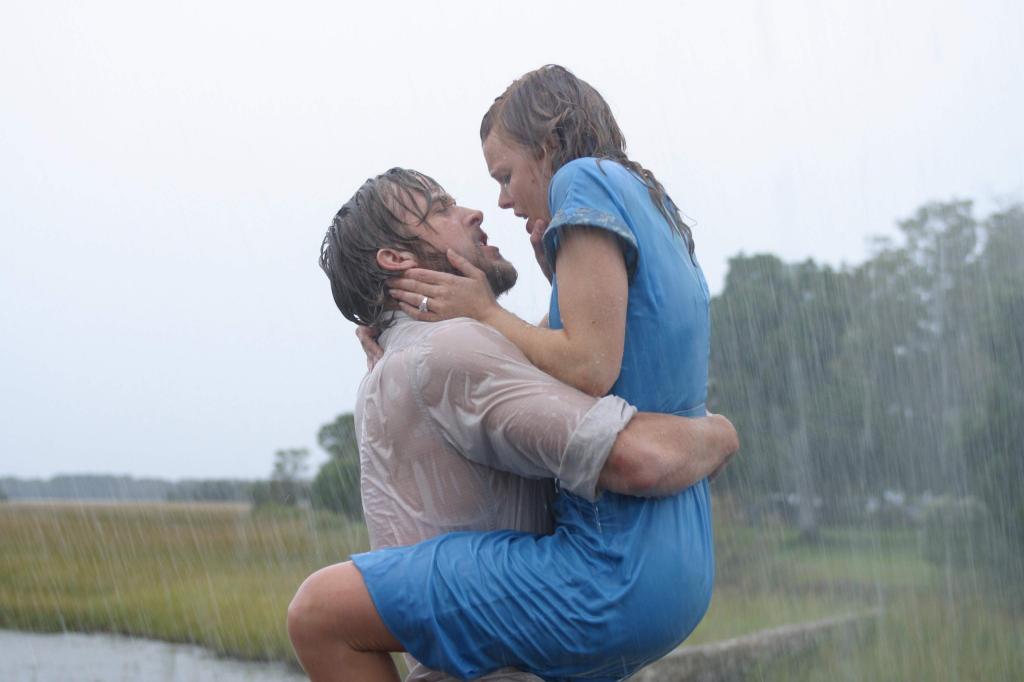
(336, 631)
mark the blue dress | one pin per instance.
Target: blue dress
(622, 581)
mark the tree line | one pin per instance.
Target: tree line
(104, 487)
(904, 373)
(336, 485)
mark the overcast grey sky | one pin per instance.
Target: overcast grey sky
(167, 171)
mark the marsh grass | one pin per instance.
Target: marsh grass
(215, 575)
(937, 622)
(919, 637)
(221, 576)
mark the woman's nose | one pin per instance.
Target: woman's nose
(504, 200)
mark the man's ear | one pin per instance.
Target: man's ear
(396, 260)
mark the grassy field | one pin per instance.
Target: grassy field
(215, 575)
(925, 637)
(937, 622)
(221, 576)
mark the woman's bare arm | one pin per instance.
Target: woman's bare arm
(586, 352)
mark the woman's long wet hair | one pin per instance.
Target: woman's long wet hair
(550, 108)
(373, 219)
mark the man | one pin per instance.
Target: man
(457, 430)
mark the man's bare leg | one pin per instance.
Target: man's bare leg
(336, 631)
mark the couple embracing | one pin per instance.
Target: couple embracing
(536, 495)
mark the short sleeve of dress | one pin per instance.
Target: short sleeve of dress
(584, 193)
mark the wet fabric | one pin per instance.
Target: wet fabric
(667, 541)
(458, 431)
(621, 581)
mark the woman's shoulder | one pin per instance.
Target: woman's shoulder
(592, 166)
(591, 173)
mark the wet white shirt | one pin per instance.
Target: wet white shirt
(458, 431)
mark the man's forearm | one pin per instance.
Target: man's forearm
(659, 454)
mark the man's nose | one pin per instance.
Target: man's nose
(476, 217)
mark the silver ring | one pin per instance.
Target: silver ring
(423, 305)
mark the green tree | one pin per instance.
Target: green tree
(287, 481)
(905, 372)
(336, 486)
(941, 242)
(287, 485)
(996, 435)
(878, 374)
(777, 333)
(338, 438)
(290, 464)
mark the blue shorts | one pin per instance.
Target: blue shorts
(619, 584)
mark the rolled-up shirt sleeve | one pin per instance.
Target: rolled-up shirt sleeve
(495, 408)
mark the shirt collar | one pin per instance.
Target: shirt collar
(398, 321)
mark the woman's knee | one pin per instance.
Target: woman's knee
(302, 612)
(334, 604)
(317, 609)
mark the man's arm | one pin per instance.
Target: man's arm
(660, 454)
(495, 408)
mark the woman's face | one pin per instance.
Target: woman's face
(522, 175)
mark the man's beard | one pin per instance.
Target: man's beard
(501, 274)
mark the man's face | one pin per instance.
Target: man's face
(450, 226)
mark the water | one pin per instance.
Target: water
(71, 657)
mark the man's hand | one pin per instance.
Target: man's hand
(732, 448)
(368, 339)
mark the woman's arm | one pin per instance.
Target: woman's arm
(592, 294)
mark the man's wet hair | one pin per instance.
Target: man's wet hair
(377, 216)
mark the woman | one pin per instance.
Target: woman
(622, 581)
